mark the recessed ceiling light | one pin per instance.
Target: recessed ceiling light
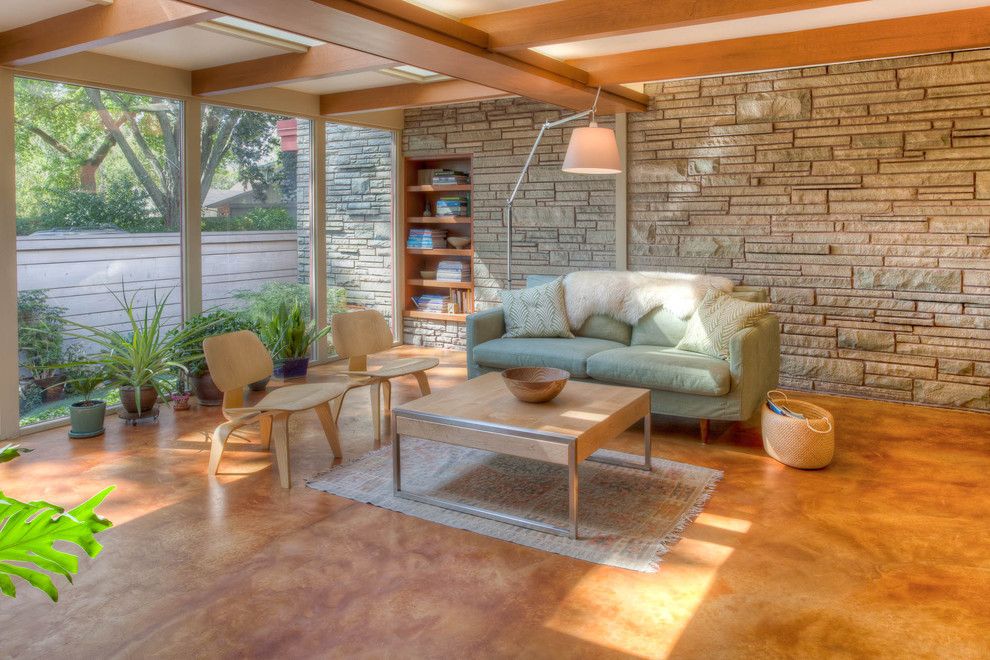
(266, 31)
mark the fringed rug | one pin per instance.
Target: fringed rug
(627, 518)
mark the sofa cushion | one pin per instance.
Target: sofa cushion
(536, 312)
(718, 317)
(601, 326)
(568, 354)
(662, 368)
(658, 328)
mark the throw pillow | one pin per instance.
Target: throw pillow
(536, 312)
(718, 317)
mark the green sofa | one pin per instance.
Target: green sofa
(604, 349)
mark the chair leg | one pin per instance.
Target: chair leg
(387, 393)
(266, 431)
(376, 410)
(280, 443)
(337, 405)
(220, 435)
(329, 428)
(704, 431)
(424, 382)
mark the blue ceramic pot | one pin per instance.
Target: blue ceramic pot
(292, 368)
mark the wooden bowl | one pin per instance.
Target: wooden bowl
(535, 384)
(458, 242)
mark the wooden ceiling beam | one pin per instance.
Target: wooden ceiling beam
(319, 62)
(578, 20)
(896, 37)
(92, 27)
(413, 95)
(394, 36)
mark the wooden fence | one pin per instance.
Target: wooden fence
(79, 269)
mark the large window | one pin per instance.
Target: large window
(255, 217)
(99, 208)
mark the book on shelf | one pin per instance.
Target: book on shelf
(426, 239)
(452, 206)
(445, 177)
(453, 271)
(432, 302)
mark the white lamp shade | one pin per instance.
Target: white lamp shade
(592, 150)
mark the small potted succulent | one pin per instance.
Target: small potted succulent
(289, 338)
(86, 416)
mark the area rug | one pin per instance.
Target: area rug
(627, 518)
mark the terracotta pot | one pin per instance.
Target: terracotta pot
(52, 389)
(148, 398)
(206, 390)
(180, 401)
(292, 368)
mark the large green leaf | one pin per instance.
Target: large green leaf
(10, 452)
(28, 531)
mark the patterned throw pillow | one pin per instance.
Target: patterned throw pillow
(718, 317)
(536, 312)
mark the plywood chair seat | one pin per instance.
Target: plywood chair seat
(356, 335)
(396, 368)
(239, 358)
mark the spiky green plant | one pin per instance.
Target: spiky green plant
(28, 531)
(147, 355)
(287, 334)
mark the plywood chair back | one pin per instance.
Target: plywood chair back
(236, 360)
(356, 335)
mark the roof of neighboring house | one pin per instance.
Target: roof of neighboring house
(217, 197)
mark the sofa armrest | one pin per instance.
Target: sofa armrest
(754, 362)
(481, 327)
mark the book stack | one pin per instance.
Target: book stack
(452, 206)
(432, 302)
(447, 177)
(453, 271)
(426, 239)
(460, 301)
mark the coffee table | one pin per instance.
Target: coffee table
(483, 414)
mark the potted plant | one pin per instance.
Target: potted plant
(40, 333)
(289, 337)
(199, 327)
(142, 361)
(86, 416)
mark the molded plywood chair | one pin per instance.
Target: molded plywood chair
(356, 335)
(239, 358)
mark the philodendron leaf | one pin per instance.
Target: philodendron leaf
(10, 452)
(27, 532)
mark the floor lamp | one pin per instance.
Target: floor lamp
(591, 150)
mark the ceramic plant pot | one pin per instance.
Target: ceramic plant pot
(259, 385)
(180, 401)
(86, 419)
(130, 403)
(206, 391)
(292, 368)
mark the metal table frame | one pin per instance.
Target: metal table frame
(572, 472)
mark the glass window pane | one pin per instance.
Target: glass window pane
(99, 207)
(359, 218)
(255, 213)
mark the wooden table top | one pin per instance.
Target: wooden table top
(579, 409)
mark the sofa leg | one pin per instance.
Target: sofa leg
(704, 431)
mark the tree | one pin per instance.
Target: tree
(78, 128)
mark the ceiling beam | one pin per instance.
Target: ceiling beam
(395, 37)
(319, 62)
(896, 37)
(92, 27)
(577, 20)
(413, 95)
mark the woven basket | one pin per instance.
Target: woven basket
(807, 444)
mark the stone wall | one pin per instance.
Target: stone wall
(561, 222)
(857, 194)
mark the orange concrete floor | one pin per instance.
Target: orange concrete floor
(884, 554)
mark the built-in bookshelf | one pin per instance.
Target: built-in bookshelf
(421, 195)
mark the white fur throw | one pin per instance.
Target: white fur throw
(628, 296)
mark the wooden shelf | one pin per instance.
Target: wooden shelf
(440, 284)
(440, 220)
(434, 316)
(466, 187)
(442, 252)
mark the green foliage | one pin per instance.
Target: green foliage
(287, 335)
(28, 532)
(201, 326)
(10, 452)
(263, 304)
(117, 206)
(86, 381)
(40, 334)
(263, 219)
(29, 397)
(147, 355)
